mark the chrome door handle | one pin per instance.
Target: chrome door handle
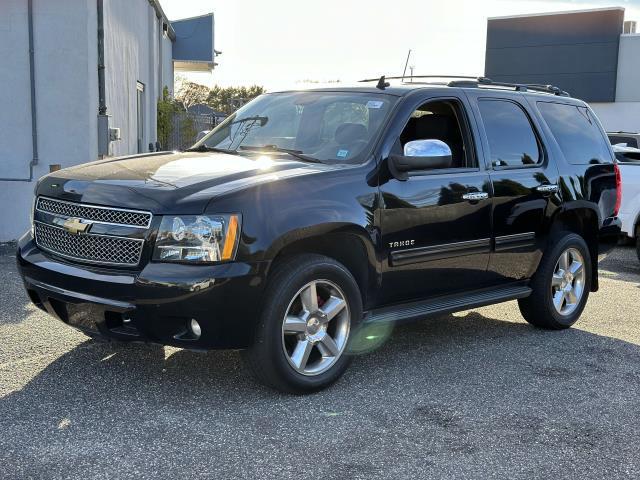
(475, 196)
(548, 188)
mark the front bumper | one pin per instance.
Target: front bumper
(155, 304)
(628, 222)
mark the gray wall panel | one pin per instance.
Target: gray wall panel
(576, 51)
(586, 86)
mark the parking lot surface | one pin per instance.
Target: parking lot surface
(478, 394)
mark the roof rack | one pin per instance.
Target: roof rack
(416, 76)
(519, 87)
(471, 82)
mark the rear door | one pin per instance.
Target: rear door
(436, 225)
(525, 182)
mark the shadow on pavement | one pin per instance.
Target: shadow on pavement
(622, 264)
(459, 393)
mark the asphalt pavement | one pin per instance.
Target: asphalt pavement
(476, 395)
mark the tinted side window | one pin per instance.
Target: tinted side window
(628, 141)
(512, 141)
(576, 131)
(442, 120)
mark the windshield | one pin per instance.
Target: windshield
(326, 126)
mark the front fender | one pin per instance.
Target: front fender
(278, 213)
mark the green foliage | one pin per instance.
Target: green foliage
(229, 99)
(172, 112)
(167, 107)
(222, 99)
(187, 131)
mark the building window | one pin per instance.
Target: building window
(140, 115)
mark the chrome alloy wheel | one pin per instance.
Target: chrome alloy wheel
(567, 283)
(316, 327)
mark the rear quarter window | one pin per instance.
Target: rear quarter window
(577, 132)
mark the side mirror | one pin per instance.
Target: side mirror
(420, 155)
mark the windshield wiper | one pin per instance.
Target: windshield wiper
(274, 148)
(205, 148)
(257, 118)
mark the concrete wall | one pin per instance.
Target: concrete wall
(576, 51)
(628, 85)
(15, 113)
(619, 116)
(624, 114)
(66, 97)
(66, 60)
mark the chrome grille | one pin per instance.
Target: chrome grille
(90, 248)
(117, 216)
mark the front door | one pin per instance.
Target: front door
(436, 225)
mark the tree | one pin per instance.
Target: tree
(229, 99)
(166, 109)
(191, 93)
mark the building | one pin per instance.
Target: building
(80, 81)
(592, 54)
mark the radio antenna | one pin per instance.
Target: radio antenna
(404, 72)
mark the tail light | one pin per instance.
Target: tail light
(618, 190)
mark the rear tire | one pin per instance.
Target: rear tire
(638, 242)
(302, 339)
(561, 285)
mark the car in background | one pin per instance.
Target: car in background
(201, 135)
(624, 139)
(629, 170)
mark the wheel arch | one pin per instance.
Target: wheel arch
(583, 220)
(349, 245)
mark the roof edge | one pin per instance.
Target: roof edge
(160, 14)
(561, 12)
(210, 14)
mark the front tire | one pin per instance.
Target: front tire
(561, 285)
(312, 306)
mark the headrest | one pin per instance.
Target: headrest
(350, 132)
(435, 126)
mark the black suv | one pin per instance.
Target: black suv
(309, 221)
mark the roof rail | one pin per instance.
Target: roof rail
(409, 77)
(471, 81)
(519, 87)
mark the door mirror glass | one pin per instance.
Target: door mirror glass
(427, 148)
(420, 155)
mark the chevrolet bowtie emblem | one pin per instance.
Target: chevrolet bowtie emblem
(76, 226)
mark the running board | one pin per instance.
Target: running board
(446, 304)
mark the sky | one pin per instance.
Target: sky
(287, 43)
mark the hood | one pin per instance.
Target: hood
(178, 182)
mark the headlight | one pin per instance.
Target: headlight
(201, 238)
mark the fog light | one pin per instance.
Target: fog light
(195, 328)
